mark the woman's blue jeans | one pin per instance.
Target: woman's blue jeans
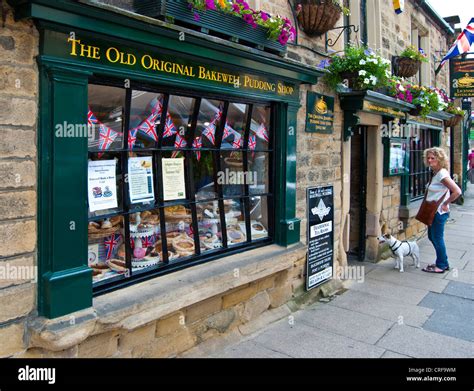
(436, 237)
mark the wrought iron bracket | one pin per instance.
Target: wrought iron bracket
(329, 41)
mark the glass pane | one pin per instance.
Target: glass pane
(258, 174)
(141, 183)
(231, 176)
(105, 184)
(209, 118)
(235, 221)
(145, 117)
(260, 127)
(106, 250)
(234, 130)
(203, 170)
(105, 116)
(209, 225)
(179, 233)
(178, 121)
(145, 240)
(258, 217)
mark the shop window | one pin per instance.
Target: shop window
(169, 190)
(419, 173)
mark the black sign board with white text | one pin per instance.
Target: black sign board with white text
(320, 235)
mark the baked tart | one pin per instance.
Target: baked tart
(117, 265)
(235, 236)
(184, 246)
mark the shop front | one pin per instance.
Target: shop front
(158, 152)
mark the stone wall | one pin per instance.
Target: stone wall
(18, 182)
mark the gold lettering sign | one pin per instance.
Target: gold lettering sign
(114, 55)
(381, 109)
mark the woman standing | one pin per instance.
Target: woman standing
(441, 183)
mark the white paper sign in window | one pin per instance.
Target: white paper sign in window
(102, 185)
(140, 179)
(174, 186)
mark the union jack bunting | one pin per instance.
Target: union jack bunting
(132, 138)
(106, 137)
(170, 128)
(197, 143)
(252, 144)
(158, 107)
(148, 241)
(91, 118)
(262, 133)
(227, 131)
(238, 141)
(210, 132)
(111, 243)
(463, 44)
(149, 124)
(179, 142)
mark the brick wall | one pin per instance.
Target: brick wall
(18, 114)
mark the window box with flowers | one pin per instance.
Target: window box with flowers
(409, 62)
(458, 115)
(359, 68)
(232, 19)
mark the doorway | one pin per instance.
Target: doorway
(358, 194)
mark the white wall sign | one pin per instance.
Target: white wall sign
(174, 187)
(102, 185)
(140, 179)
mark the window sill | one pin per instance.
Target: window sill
(137, 305)
(408, 211)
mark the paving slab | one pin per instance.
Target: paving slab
(345, 322)
(381, 307)
(469, 264)
(387, 290)
(390, 354)
(416, 342)
(452, 324)
(249, 349)
(451, 249)
(460, 275)
(453, 304)
(460, 289)
(303, 341)
(412, 280)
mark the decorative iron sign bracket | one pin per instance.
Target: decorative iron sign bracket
(331, 43)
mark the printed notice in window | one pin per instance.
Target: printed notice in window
(102, 185)
(140, 179)
(173, 179)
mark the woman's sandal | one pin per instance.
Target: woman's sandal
(432, 269)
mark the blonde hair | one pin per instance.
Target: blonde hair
(439, 154)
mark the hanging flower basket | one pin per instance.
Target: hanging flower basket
(316, 17)
(352, 79)
(212, 22)
(405, 67)
(416, 111)
(453, 121)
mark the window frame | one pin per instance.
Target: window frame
(117, 282)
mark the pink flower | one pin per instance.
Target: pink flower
(235, 8)
(196, 17)
(283, 38)
(210, 4)
(264, 16)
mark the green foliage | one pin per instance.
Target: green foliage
(411, 52)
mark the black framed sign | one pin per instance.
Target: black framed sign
(462, 77)
(320, 235)
(396, 156)
(319, 113)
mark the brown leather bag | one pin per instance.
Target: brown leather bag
(428, 209)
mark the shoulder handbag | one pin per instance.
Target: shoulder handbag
(428, 209)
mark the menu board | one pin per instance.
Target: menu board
(102, 185)
(320, 235)
(140, 179)
(174, 185)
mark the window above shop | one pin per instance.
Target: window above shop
(168, 191)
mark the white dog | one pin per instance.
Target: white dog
(401, 250)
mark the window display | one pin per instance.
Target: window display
(167, 190)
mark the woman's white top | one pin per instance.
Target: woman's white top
(437, 189)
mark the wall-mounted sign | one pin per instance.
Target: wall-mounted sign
(462, 77)
(320, 235)
(102, 185)
(381, 110)
(319, 113)
(156, 62)
(396, 157)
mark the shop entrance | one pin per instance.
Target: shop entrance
(358, 195)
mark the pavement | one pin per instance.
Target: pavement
(385, 314)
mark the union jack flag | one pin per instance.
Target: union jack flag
(262, 133)
(148, 126)
(148, 241)
(132, 138)
(158, 107)
(210, 132)
(179, 142)
(106, 137)
(197, 143)
(238, 141)
(252, 144)
(111, 243)
(227, 131)
(463, 44)
(170, 127)
(91, 118)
